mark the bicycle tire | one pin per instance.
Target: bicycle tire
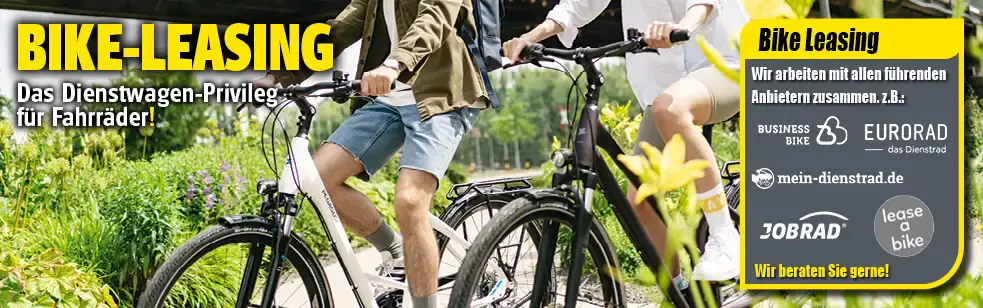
(517, 213)
(251, 232)
(464, 207)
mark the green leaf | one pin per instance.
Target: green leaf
(50, 286)
(49, 256)
(11, 261)
(11, 284)
(21, 302)
(45, 301)
(67, 272)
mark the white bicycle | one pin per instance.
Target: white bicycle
(279, 269)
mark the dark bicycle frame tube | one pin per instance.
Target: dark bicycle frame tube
(590, 135)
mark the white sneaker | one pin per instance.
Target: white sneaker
(721, 257)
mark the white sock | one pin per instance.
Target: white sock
(714, 205)
(680, 282)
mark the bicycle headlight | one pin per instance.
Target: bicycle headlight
(559, 159)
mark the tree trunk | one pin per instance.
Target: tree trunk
(505, 148)
(477, 153)
(518, 162)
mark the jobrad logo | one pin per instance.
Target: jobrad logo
(806, 230)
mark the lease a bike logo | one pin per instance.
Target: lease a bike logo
(822, 225)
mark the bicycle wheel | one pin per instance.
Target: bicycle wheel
(195, 277)
(598, 287)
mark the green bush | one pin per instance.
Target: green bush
(47, 281)
(143, 208)
(457, 173)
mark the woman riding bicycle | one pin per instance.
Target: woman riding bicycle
(678, 90)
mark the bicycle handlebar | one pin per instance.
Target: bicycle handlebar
(335, 88)
(340, 89)
(635, 43)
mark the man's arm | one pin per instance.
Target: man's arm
(346, 29)
(434, 22)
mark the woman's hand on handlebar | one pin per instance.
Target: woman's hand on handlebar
(658, 34)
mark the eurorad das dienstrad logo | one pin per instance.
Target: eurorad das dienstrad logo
(806, 228)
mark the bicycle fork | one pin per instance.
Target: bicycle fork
(281, 242)
(581, 235)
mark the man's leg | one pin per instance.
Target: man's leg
(429, 148)
(654, 227)
(372, 134)
(702, 97)
(414, 192)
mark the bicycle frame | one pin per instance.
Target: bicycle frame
(588, 167)
(300, 176)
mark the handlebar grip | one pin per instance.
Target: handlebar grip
(304, 90)
(678, 35)
(531, 51)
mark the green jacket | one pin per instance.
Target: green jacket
(439, 67)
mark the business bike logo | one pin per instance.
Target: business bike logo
(803, 230)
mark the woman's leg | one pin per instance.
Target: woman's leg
(704, 97)
(654, 227)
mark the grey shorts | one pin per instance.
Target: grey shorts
(725, 103)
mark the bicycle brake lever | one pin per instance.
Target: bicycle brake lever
(655, 50)
(516, 63)
(243, 105)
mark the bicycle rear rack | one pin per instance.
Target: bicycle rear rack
(505, 184)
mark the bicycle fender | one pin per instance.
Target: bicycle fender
(474, 198)
(233, 220)
(547, 194)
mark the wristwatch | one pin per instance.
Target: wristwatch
(393, 64)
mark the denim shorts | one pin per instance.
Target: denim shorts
(376, 131)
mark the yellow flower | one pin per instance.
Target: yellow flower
(714, 57)
(674, 170)
(663, 171)
(607, 111)
(646, 175)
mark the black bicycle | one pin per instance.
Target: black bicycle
(541, 213)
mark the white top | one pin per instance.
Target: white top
(650, 73)
(402, 95)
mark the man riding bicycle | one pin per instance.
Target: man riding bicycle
(412, 42)
(678, 90)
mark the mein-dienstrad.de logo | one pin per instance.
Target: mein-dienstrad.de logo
(807, 230)
(763, 178)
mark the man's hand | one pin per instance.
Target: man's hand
(657, 34)
(513, 48)
(268, 81)
(378, 81)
